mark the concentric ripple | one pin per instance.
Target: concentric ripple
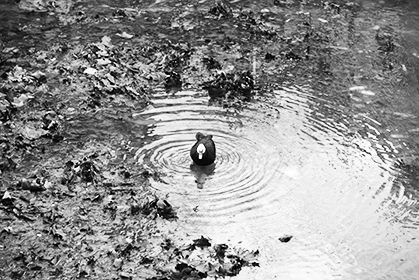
(259, 159)
(244, 166)
(290, 164)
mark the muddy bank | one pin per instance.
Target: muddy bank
(75, 200)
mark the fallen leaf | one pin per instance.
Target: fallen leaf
(202, 242)
(31, 186)
(32, 133)
(357, 88)
(106, 40)
(118, 263)
(367, 92)
(90, 71)
(6, 195)
(125, 35)
(103, 61)
(21, 100)
(285, 238)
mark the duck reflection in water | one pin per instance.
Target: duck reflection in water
(203, 156)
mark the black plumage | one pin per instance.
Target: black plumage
(203, 151)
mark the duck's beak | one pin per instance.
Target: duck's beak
(201, 150)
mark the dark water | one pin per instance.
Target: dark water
(333, 164)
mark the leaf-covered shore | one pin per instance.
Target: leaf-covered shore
(75, 201)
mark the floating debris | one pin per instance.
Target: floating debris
(285, 238)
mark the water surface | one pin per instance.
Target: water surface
(333, 172)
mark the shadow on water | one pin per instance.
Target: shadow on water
(201, 173)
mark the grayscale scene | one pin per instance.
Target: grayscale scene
(209, 139)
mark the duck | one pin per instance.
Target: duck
(203, 151)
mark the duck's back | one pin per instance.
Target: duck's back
(209, 155)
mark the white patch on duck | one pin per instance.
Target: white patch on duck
(201, 150)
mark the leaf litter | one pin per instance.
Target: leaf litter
(75, 203)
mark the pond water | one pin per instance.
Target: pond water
(283, 168)
(299, 162)
(333, 164)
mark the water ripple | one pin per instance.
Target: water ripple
(245, 164)
(292, 163)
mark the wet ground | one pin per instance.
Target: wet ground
(318, 171)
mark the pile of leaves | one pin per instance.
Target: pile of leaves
(231, 86)
(78, 219)
(201, 259)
